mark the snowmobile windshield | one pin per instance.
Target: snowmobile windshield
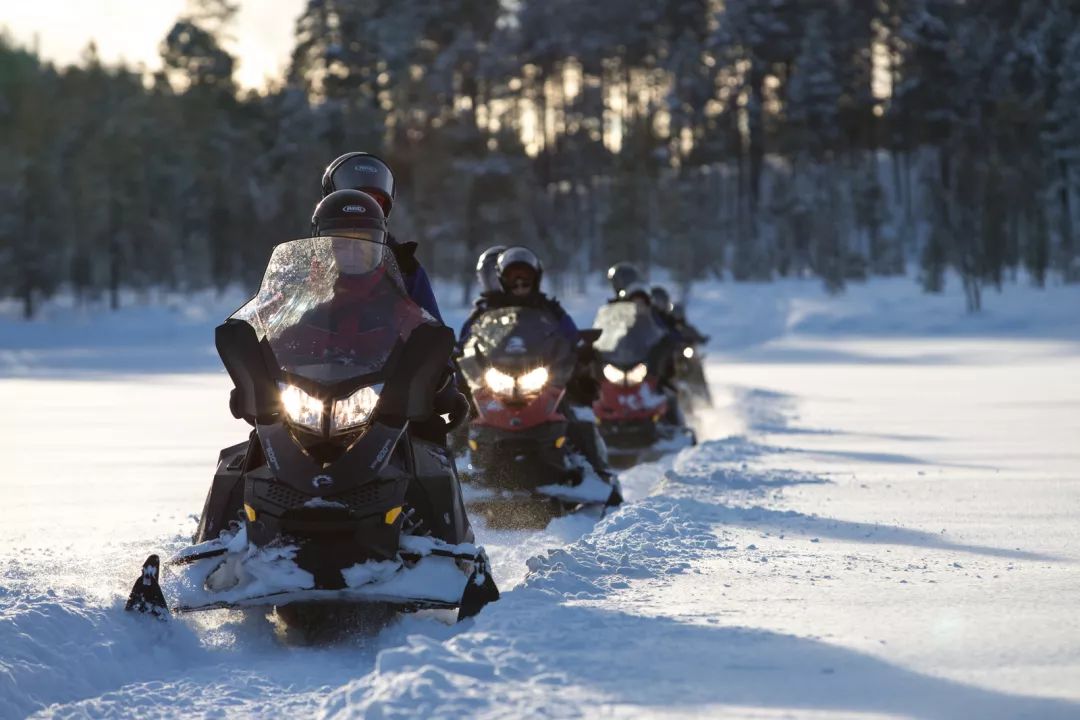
(630, 332)
(520, 337)
(332, 308)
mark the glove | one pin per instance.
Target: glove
(450, 401)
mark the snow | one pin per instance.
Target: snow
(880, 520)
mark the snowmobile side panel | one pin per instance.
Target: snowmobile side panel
(225, 498)
(436, 486)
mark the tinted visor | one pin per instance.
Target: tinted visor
(519, 276)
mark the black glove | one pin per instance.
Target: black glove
(450, 401)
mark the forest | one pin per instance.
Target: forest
(743, 140)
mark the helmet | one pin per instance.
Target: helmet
(516, 261)
(362, 171)
(636, 291)
(622, 274)
(660, 298)
(487, 274)
(349, 213)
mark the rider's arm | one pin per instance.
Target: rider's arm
(419, 287)
(567, 326)
(415, 277)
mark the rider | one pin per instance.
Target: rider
(519, 272)
(674, 316)
(487, 276)
(487, 271)
(355, 214)
(661, 302)
(369, 174)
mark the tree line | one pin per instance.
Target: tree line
(713, 138)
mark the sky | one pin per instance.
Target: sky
(132, 30)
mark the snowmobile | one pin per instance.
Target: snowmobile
(693, 387)
(638, 408)
(522, 444)
(332, 500)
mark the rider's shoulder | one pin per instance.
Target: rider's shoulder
(404, 253)
(550, 303)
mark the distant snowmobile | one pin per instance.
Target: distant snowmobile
(694, 391)
(518, 364)
(639, 404)
(332, 500)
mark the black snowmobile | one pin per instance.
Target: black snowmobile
(638, 409)
(525, 439)
(694, 391)
(332, 500)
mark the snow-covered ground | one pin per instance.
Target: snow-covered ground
(883, 520)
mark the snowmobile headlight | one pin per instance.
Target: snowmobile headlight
(499, 381)
(614, 374)
(302, 409)
(636, 375)
(533, 380)
(354, 410)
(688, 352)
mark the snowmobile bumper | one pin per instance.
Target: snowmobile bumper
(426, 573)
(631, 434)
(540, 461)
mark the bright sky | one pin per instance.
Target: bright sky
(132, 30)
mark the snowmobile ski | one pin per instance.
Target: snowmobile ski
(146, 596)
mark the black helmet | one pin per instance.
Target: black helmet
(634, 291)
(660, 298)
(362, 171)
(514, 259)
(349, 213)
(622, 274)
(487, 274)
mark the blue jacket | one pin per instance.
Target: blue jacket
(417, 283)
(419, 288)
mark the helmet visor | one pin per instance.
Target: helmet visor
(519, 277)
(357, 252)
